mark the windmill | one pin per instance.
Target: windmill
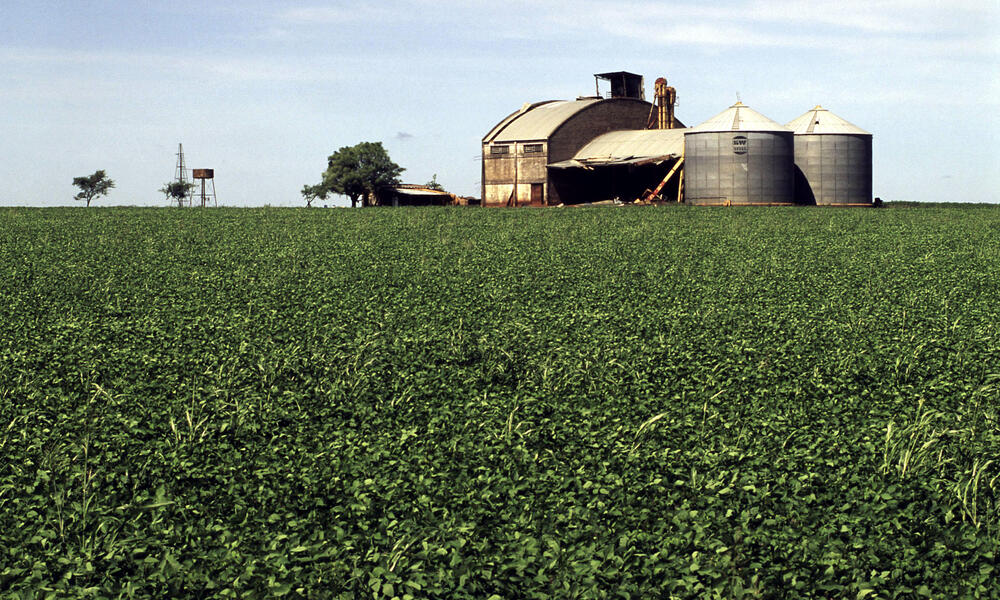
(180, 176)
(185, 186)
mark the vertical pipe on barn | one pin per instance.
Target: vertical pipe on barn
(666, 96)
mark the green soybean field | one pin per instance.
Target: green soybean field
(462, 403)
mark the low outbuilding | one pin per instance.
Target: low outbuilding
(413, 195)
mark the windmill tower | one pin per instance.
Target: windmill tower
(180, 175)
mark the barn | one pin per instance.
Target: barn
(518, 151)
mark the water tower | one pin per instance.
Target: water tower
(205, 175)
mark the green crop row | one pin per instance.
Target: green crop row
(664, 402)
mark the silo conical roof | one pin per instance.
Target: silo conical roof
(819, 120)
(739, 117)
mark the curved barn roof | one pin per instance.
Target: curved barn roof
(738, 117)
(819, 120)
(537, 121)
(633, 146)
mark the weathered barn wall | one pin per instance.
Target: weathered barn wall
(594, 120)
(524, 161)
(524, 164)
(597, 119)
(498, 175)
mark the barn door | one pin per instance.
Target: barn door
(537, 193)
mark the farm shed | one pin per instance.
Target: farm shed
(519, 149)
(412, 195)
(833, 160)
(622, 164)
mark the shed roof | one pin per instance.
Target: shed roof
(632, 146)
(413, 190)
(537, 121)
(819, 121)
(738, 117)
(616, 73)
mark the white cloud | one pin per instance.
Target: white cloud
(893, 16)
(924, 27)
(927, 27)
(232, 69)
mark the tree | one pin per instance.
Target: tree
(357, 171)
(92, 186)
(314, 192)
(177, 191)
(433, 184)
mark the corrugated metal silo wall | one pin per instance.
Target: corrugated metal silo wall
(833, 169)
(738, 167)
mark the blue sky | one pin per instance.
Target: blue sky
(264, 91)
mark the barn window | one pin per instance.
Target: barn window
(532, 148)
(499, 149)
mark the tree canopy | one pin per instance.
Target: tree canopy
(357, 171)
(314, 192)
(177, 191)
(433, 184)
(92, 186)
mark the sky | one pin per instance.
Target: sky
(264, 91)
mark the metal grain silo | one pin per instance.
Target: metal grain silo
(738, 157)
(833, 160)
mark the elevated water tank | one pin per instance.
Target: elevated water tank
(833, 160)
(738, 157)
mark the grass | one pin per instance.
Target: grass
(471, 403)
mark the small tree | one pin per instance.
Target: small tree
(177, 191)
(357, 171)
(433, 184)
(314, 192)
(92, 186)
